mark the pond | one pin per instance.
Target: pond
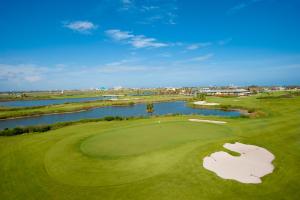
(46, 102)
(162, 108)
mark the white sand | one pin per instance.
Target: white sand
(119, 99)
(253, 163)
(207, 121)
(204, 103)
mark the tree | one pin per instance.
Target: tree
(201, 96)
(23, 95)
(150, 108)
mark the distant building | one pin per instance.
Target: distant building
(170, 89)
(118, 88)
(278, 88)
(101, 89)
(225, 92)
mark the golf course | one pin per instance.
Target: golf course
(150, 100)
(157, 157)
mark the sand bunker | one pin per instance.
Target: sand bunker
(253, 163)
(204, 103)
(119, 99)
(207, 121)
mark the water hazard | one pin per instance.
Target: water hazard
(126, 111)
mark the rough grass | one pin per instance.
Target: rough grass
(144, 159)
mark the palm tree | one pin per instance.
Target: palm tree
(150, 108)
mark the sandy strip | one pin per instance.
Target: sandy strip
(118, 99)
(204, 103)
(207, 121)
(253, 163)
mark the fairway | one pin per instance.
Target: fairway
(155, 158)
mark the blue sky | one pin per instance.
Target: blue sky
(54, 44)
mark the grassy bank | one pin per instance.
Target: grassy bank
(48, 95)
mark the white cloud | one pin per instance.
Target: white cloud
(141, 41)
(225, 41)
(127, 4)
(120, 69)
(151, 12)
(33, 78)
(237, 7)
(241, 6)
(121, 62)
(117, 34)
(149, 8)
(192, 47)
(202, 58)
(165, 55)
(197, 46)
(137, 41)
(22, 72)
(81, 26)
(188, 61)
(128, 65)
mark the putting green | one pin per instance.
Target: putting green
(126, 154)
(136, 140)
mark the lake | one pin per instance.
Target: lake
(162, 108)
(46, 102)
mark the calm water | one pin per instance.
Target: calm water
(30, 103)
(136, 110)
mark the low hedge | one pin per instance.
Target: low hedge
(44, 128)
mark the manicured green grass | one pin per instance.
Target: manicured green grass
(156, 158)
(146, 138)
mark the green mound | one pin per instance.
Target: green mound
(136, 140)
(126, 154)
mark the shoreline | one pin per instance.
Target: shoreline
(244, 112)
(39, 115)
(116, 104)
